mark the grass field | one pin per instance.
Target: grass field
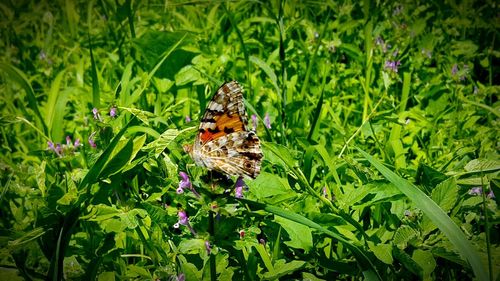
(379, 125)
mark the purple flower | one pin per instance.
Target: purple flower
(77, 143)
(59, 149)
(397, 10)
(68, 140)
(112, 112)
(54, 148)
(208, 247)
(262, 241)
(183, 218)
(97, 116)
(91, 140)
(179, 190)
(267, 121)
(454, 69)
(185, 182)
(240, 184)
(426, 52)
(392, 65)
(476, 190)
(254, 121)
(324, 191)
(181, 277)
(188, 119)
(491, 195)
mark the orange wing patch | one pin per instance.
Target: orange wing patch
(224, 125)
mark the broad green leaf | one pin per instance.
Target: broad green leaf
(409, 264)
(300, 235)
(445, 194)
(426, 261)
(192, 246)
(267, 185)
(282, 268)
(382, 251)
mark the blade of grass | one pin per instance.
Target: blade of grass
(436, 214)
(96, 98)
(18, 76)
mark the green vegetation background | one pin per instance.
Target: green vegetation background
(378, 120)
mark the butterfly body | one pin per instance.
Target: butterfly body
(224, 141)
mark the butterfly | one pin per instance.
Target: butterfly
(224, 142)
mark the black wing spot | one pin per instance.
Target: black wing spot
(228, 130)
(213, 131)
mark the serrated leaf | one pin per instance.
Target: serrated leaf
(403, 235)
(445, 194)
(300, 235)
(482, 165)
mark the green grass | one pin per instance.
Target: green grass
(380, 163)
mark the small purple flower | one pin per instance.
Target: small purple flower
(77, 143)
(188, 119)
(325, 192)
(185, 182)
(426, 52)
(179, 190)
(254, 122)
(181, 277)
(96, 114)
(54, 148)
(91, 140)
(262, 241)
(68, 141)
(454, 69)
(379, 41)
(397, 10)
(267, 121)
(240, 184)
(491, 195)
(476, 190)
(59, 149)
(208, 247)
(42, 55)
(392, 65)
(112, 112)
(183, 218)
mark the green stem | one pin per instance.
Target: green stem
(213, 272)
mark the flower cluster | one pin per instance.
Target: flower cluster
(184, 220)
(61, 150)
(185, 183)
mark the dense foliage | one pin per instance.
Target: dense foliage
(378, 121)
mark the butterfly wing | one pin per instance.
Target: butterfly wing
(224, 142)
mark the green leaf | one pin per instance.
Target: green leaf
(300, 235)
(282, 268)
(436, 214)
(482, 166)
(18, 77)
(383, 252)
(192, 246)
(403, 235)
(426, 261)
(445, 194)
(153, 44)
(268, 185)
